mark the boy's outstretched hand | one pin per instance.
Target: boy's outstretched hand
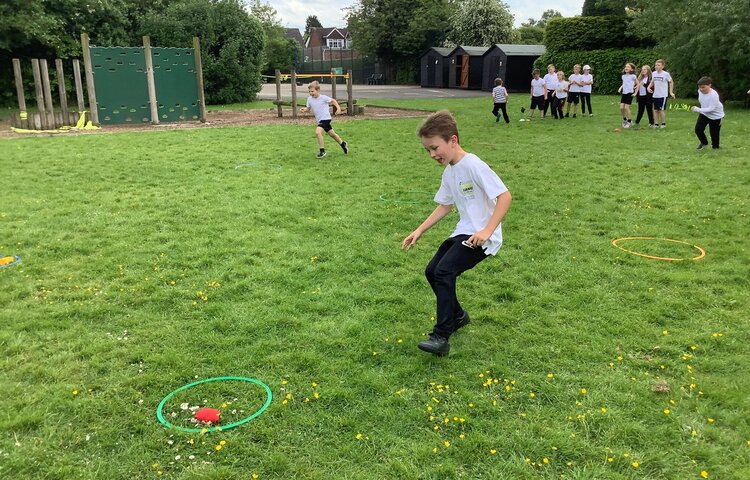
(410, 240)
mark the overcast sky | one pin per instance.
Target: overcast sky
(293, 13)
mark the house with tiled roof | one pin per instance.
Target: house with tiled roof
(294, 34)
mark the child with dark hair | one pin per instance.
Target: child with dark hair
(500, 100)
(711, 112)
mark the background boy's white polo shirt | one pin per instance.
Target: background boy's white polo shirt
(472, 187)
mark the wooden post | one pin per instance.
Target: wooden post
(89, 69)
(199, 78)
(61, 91)
(79, 85)
(278, 93)
(349, 94)
(40, 120)
(333, 83)
(294, 93)
(150, 80)
(47, 94)
(19, 85)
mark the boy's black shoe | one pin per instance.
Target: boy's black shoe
(574, 115)
(436, 344)
(568, 115)
(345, 147)
(462, 321)
(701, 146)
(497, 118)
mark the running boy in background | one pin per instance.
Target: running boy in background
(482, 201)
(586, 81)
(661, 85)
(319, 104)
(710, 113)
(627, 89)
(538, 93)
(500, 98)
(574, 89)
(561, 94)
(550, 83)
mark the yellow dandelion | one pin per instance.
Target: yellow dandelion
(285, 402)
(532, 394)
(584, 391)
(704, 474)
(710, 420)
(358, 436)
(429, 408)
(254, 475)
(493, 451)
(307, 399)
(610, 459)
(545, 460)
(224, 405)
(462, 436)
(619, 358)
(471, 405)
(223, 442)
(75, 392)
(447, 444)
(218, 447)
(155, 465)
(284, 382)
(665, 332)
(289, 396)
(666, 411)
(626, 455)
(314, 384)
(635, 464)
(435, 450)
(316, 395)
(604, 409)
(550, 375)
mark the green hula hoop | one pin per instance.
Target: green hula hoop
(163, 421)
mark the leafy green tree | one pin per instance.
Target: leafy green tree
(547, 15)
(397, 32)
(311, 22)
(601, 8)
(527, 35)
(481, 23)
(279, 53)
(232, 44)
(701, 39)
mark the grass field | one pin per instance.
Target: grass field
(153, 260)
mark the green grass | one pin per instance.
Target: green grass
(150, 261)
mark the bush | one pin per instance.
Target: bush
(606, 65)
(589, 33)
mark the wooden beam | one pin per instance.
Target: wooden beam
(79, 85)
(199, 78)
(61, 90)
(19, 84)
(89, 69)
(278, 92)
(294, 93)
(150, 80)
(349, 94)
(48, 104)
(39, 92)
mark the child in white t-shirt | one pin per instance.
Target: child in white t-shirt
(711, 112)
(550, 83)
(627, 89)
(538, 93)
(561, 95)
(482, 201)
(318, 104)
(661, 85)
(574, 90)
(586, 81)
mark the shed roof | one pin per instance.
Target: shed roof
(472, 51)
(521, 50)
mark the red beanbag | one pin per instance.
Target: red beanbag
(206, 415)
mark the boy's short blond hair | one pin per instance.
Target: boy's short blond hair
(314, 85)
(439, 124)
(660, 60)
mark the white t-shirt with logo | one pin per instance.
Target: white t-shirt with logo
(628, 83)
(574, 87)
(661, 83)
(319, 107)
(550, 80)
(473, 188)
(587, 77)
(561, 91)
(538, 87)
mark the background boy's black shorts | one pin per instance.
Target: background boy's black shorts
(627, 98)
(325, 125)
(537, 102)
(660, 103)
(572, 97)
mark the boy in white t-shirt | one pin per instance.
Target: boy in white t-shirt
(538, 94)
(482, 200)
(661, 85)
(711, 112)
(574, 89)
(319, 105)
(550, 83)
(586, 81)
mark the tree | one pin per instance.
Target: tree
(700, 39)
(526, 35)
(601, 8)
(279, 52)
(481, 23)
(311, 22)
(232, 44)
(542, 22)
(398, 31)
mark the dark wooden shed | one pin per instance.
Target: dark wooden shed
(512, 63)
(434, 67)
(466, 67)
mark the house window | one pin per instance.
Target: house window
(335, 43)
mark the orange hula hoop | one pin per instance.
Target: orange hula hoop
(653, 257)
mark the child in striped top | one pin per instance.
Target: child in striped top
(500, 97)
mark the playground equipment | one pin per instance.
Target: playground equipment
(122, 85)
(351, 104)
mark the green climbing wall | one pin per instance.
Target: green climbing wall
(176, 87)
(122, 86)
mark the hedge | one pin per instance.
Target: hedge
(606, 65)
(589, 33)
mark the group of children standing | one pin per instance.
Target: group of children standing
(651, 89)
(554, 91)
